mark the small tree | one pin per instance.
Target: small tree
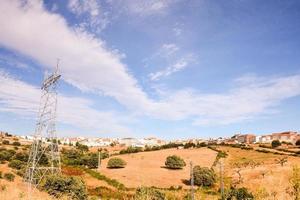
(276, 143)
(204, 176)
(116, 163)
(174, 162)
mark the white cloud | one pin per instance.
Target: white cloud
(23, 99)
(85, 62)
(179, 65)
(90, 66)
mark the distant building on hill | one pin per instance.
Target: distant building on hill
(247, 138)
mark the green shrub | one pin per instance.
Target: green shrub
(174, 162)
(16, 164)
(9, 176)
(6, 155)
(189, 145)
(145, 193)
(59, 186)
(275, 143)
(22, 156)
(5, 142)
(16, 143)
(116, 163)
(131, 150)
(82, 147)
(204, 176)
(239, 194)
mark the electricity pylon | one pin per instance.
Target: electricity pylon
(44, 158)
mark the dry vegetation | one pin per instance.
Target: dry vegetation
(267, 179)
(147, 168)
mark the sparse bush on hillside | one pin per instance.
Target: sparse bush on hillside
(6, 155)
(16, 143)
(175, 162)
(275, 143)
(238, 194)
(298, 142)
(5, 142)
(116, 163)
(145, 193)
(9, 176)
(22, 156)
(59, 186)
(131, 150)
(189, 145)
(204, 176)
(16, 164)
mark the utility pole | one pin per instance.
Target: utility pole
(221, 178)
(99, 159)
(192, 180)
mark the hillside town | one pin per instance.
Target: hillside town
(288, 137)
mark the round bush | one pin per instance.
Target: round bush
(276, 143)
(204, 176)
(298, 142)
(116, 163)
(174, 162)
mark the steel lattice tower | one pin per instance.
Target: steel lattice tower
(44, 158)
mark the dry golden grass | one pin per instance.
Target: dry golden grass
(18, 189)
(147, 168)
(267, 181)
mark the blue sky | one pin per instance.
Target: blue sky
(171, 69)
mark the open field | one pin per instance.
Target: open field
(147, 168)
(268, 180)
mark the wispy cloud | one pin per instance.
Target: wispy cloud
(90, 13)
(143, 7)
(177, 66)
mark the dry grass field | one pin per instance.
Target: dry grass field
(147, 168)
(18, 189)
(268, 180)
